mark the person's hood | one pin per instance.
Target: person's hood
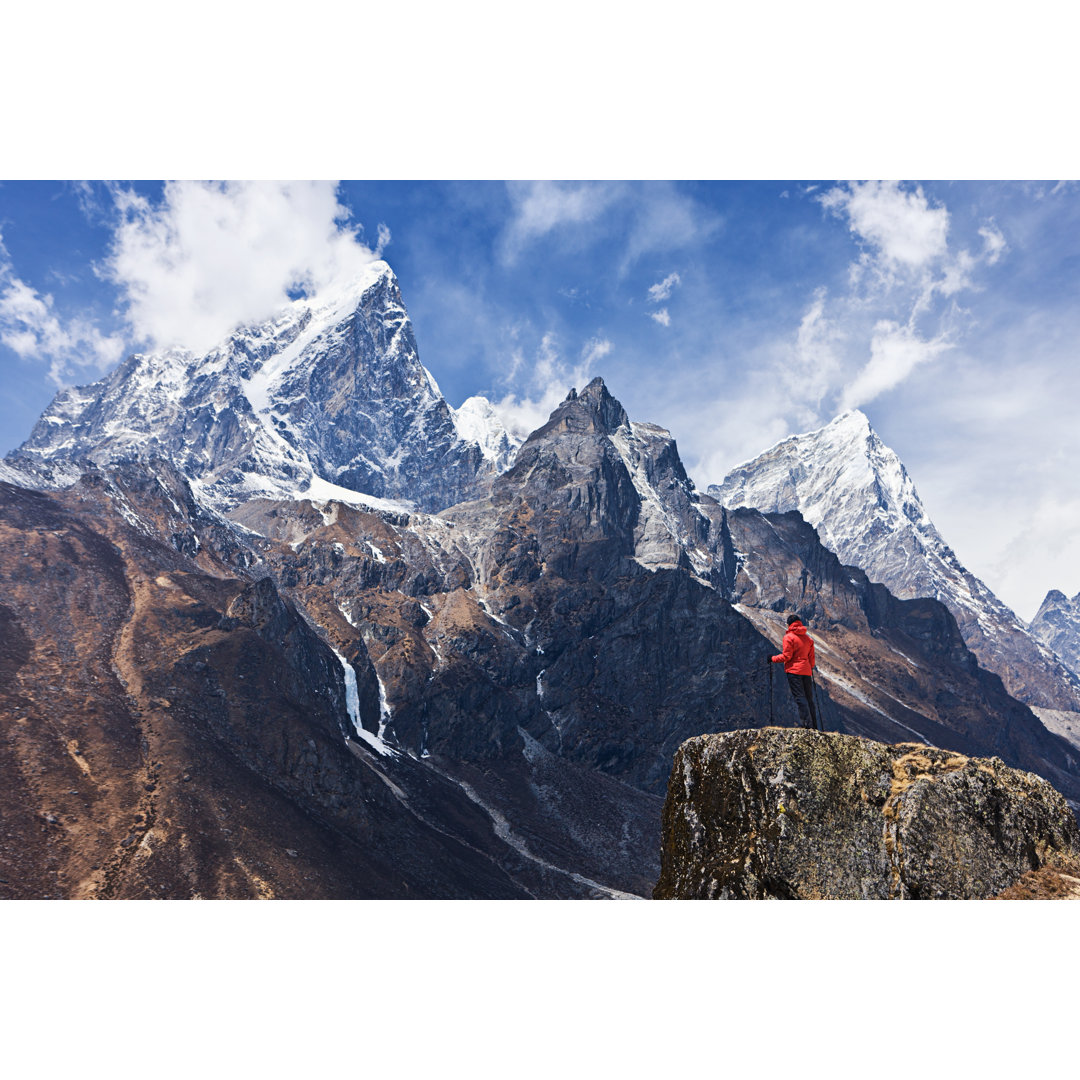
(796, 628)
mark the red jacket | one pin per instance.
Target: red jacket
(798, 654)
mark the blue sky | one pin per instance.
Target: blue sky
(733, 313)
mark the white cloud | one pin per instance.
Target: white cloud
(816, 363)
(213, 255)
(895, 351)
(900, 307)
(542, 206)
(550, 379)
(189, 269)
(663, 219)
(993, 243)
(899, 225)
(595, 349)
(661, 316)
(30, 327)
(652, 216)
(662, 289)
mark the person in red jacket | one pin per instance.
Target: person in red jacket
(797, 657)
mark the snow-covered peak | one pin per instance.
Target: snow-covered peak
(477, 421)
(835, 476)
(330, 387)
(854, 421)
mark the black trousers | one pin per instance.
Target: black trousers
(802, 690)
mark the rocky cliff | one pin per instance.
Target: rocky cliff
(780, 814)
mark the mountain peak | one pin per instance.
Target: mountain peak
(601, 412)
(330, 387)
(477, 421)
(592, 411)
(854, 420)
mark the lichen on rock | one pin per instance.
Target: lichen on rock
(778, 813)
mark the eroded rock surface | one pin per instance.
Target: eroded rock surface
(788, 814)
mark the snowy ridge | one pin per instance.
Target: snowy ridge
(1057, 626)
(856, 492)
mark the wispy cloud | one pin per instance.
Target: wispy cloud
(661, 316)
(895, 351)
(817, 363)
(905, 271)
(653, 217)
(31, 327)
(664, 219)
(550, 376)
(595, 349)
(662, 289)
(544, 206)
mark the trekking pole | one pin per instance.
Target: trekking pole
(817, 705)
(771, 720)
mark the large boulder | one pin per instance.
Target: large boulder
(779, 813)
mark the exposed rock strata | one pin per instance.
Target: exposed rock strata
(777, 814)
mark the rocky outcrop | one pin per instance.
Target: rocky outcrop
(782, 814)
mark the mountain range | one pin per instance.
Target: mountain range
(278, 621)
(856, 492)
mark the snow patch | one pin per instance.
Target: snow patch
(352, 703)
(320, 490)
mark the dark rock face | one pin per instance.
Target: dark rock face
(776, 814)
